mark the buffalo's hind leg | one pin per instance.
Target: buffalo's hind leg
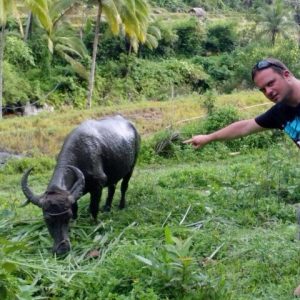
(110, 195)
(94, 203)
(124, 187)
(75, 210)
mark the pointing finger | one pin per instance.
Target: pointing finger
(188, 141)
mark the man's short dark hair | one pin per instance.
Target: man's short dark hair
(275, 64)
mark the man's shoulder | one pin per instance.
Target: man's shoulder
(273, 117)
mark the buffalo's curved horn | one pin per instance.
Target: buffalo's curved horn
(27, 192)
(77, 188)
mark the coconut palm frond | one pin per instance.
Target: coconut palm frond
(5, 9)
(77, 67)
(130, 22)
(60, 8)
(155, 31)
(112, 15)
(151, 41)
(73, 43)
(41, 10)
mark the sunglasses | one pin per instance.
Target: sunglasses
(264, 64)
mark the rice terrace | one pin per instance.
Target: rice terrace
(221, 222)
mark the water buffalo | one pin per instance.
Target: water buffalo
(96, 154)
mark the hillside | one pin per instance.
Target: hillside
(209, 224)
(44, 133)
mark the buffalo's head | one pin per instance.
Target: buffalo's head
(57, 206)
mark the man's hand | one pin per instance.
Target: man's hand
(198, 141)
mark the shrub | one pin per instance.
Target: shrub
(220, 118)
(18, 166)
(167, 42)
(135, 79)
(16, 87)
(174, 267)
(18, 53)
(171, 5)
(208, 101)
(220, 37)
(190, 37)
(220, 68)
(225, 116)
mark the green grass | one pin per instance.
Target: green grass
(45, 133)
(205, 224)
(244, 248)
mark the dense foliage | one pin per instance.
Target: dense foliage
(182, 51)
(212, 224)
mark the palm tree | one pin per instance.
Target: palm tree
(129, 16)
(274, 21)
(8, 8)
(64, 40)
(40, 9)
(2, 41)
(110, 10)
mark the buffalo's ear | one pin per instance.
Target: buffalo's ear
(25, 203)
(71, 199)
(77, 188)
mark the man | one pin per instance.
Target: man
(281, 87)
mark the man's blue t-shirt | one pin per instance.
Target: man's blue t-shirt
(283, 117)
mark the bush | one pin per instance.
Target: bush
(166, 45)
(209, 100)
(18, 53)
(19, 166)
(225, 116)
(190, 37)
(220, 37)
(220, 68)
(171, 5)
(220, 118)
(135, 79)
(16, 87)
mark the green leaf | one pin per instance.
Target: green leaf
(168, 235)
(144, 260)
(9, 267)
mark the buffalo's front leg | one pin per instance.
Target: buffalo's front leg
(95, 200)
(75, 210)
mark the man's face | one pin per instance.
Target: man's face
(276, 87)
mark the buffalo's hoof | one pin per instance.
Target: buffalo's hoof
(106, 208)
(62, 248)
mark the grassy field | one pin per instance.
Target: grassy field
(45, 133)
(208, 224)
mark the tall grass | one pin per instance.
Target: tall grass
(198, 225)
(44, 134)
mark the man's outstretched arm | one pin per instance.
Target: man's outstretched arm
(232, 131)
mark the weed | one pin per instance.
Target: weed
(174, 267)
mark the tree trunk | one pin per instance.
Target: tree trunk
(273, 38)
(95, 49)
(28, 27)
(83, 21)
(2, 44)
